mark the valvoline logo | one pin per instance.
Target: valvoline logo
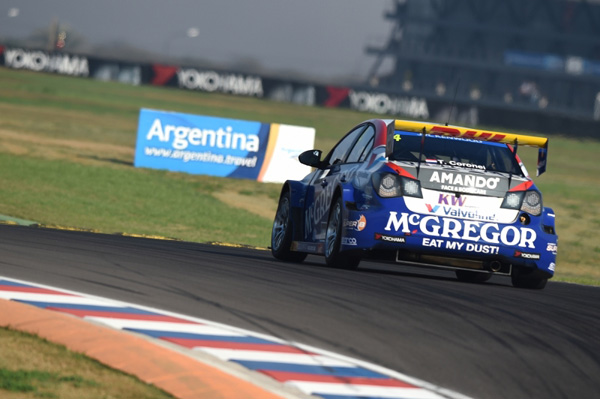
(432, 209)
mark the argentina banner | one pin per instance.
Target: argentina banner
(208, 145)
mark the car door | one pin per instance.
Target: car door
(322, 187)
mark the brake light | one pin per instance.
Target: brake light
(389, 185)
(526, 201)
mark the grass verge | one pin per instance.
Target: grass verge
(33, 368)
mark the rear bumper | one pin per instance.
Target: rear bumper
(403, 236)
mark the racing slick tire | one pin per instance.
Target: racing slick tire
(472, 277)
(282, 234)
(333, 238)
(522, 278)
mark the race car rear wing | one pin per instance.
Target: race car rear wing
(468, 133)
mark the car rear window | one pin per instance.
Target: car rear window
(457, 152)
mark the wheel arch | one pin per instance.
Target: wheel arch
(346, 191)
(297, 192)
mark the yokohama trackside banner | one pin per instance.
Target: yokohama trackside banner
(221, 147)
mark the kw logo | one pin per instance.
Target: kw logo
(450, 199)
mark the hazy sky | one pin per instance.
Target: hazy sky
(319, 37)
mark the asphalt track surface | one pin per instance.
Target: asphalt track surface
(486, 341)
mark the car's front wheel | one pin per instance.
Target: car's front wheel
(333, 240)
(281, 235)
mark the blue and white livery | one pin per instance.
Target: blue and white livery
(422, 194)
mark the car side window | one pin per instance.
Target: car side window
(340, 151)
(363, 146)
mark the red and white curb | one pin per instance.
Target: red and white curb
(311, 370)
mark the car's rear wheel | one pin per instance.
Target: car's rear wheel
(472, 277)
(281, 235)
(523, 278)
(333, 239)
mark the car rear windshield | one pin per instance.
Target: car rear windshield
(463, 153)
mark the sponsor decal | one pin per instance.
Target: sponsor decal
(40, 61)
(468, 134)
(459, 246)
(358, 225)
(381, 103)
(432, 209)
(457, 164)
(551, 266)
(451, 205)
(450, 199)
(460, 213)
(383, 237)
(526, 255)
(461, 206)
(552, 247)
(464, 183)
(212, 81)
(319, 209)
(459, 179)
(349, 241)
(469, 230)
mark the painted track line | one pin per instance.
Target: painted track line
(301, 369)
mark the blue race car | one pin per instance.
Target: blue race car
(424, 194)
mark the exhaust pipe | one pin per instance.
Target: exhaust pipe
(495, 266)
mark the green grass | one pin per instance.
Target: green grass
(122, 200)
(66, 156)
(31, 367)
(29, 380)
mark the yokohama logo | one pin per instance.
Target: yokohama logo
(384, 104)
(383, 237)
(40, 61)
(525, 255)
(212, 81)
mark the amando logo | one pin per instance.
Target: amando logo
(183, 136)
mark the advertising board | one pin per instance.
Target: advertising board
(196, 144)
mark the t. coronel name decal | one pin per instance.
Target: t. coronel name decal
(470, 230)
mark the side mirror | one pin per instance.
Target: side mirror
(311, 158)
